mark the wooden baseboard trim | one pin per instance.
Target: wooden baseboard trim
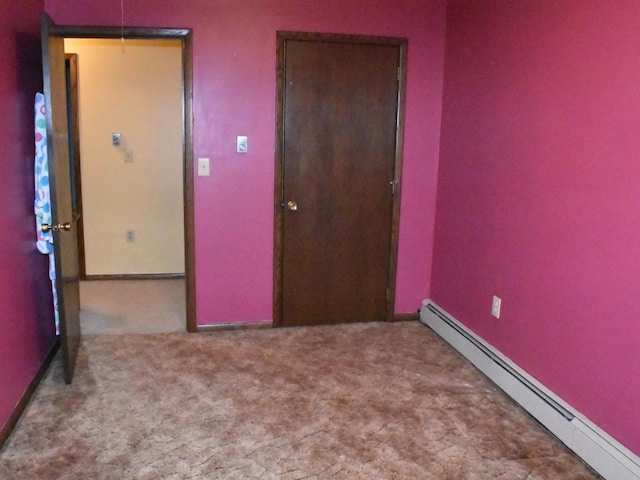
(405, 317)
(136, 276)
(233, 326)
(24, 401)
(398, 317)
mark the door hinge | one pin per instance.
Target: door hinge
(388, 294)
(399, 73)
(394, 186)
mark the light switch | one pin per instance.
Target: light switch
(203, 167)
(241, 144)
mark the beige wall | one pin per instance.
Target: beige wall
(134, 89)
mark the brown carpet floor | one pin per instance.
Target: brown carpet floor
(117, 307)
(361, 401)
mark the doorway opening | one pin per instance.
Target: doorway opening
(133, 186)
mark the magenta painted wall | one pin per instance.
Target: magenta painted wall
(234, 94)
(538, 186)
(539, 194)
(26, 318)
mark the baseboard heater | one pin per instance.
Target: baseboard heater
(599, 450)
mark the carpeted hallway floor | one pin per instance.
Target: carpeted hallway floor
(116, 307)
(361, 401)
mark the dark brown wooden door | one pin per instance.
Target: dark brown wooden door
(73, 124)
(339, 116)
(64, 237)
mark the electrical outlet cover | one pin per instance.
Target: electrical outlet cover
(495, 306)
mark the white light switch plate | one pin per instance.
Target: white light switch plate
(241, 144)
(203, 167)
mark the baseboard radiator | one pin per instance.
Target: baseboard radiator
(596, 448)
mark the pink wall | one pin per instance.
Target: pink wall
(539, 194)
(26, 318)
(234, 94)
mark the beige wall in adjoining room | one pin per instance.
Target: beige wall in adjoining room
(134, 88)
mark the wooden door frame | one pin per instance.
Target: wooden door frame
(281, 39)
(185, 35)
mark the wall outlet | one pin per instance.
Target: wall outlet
(131, 236)
(495, 306)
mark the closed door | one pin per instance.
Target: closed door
(337, 179)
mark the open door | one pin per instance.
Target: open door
(63, 221)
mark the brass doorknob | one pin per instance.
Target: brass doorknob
(292, 205)
(56, 228)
